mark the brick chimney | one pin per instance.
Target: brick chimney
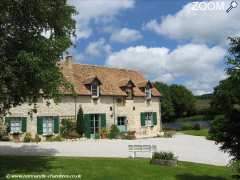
(68, 67)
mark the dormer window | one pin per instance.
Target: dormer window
(95, 89)
(148, 93)
(129, 92)
(93, 84)
(146, 87)
(127, 85)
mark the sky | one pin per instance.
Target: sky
(172, 41)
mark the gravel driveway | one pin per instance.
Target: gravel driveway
(186, 147)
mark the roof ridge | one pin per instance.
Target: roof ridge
(107, 67)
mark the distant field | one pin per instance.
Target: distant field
(202, 104)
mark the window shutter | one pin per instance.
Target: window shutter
(7, 123)
(40, 125)
(86, 118)
(56, 124)
(103, 120)
(142, 119)
(154, 118)
(24, 124)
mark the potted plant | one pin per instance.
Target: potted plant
(164, 158)
(104, 133)
(16, 136)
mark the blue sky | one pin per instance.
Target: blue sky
(166, 40)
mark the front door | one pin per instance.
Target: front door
(122, 123)
(94, 125)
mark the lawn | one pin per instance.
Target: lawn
(110, 168)
(202, 132)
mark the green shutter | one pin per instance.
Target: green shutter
(142, 119)
(86, 118)
(56, 124)
(154, 118)
(40, 125)
(103, 120)
(24, 124)
(7, 123)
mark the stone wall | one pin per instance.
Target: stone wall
(69, 106)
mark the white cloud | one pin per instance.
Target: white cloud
(98, 48)
(99, 11)
(125, 35)
(196, 63)
(202, 26)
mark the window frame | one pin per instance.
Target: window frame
(48, 120)
(148, 93)
(95, 123)
(148, 119)
(16, 120)
(129, 92)
(95, 90)
(123, 120)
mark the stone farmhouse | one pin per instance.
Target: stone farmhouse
(105, 95)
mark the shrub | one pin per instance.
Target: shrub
(3, 132)
(169, 134)
(129, 135)
(5, 138)
(67, 126)
(164, 156)
(57, 138)
(52, 138)
(114, 132)
(196, 126)
(73, 135)
(2, 129)
(236, 168)
(187, 126)
(104, 133)
(27, 137)
(37, 138)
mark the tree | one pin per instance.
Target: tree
(226, 98)
(80, 121)
(167, 108)
(28, 58)
(183, 100)
(177, 101)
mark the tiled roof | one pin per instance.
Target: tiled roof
(111, 79)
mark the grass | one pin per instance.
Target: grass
(111, 168)
(202, 132)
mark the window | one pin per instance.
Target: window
(121, 121)
(148, 93)
(129, 93)
(95, 90)
(48, 125)
(149, 119)
(15, 126)
(94, 123)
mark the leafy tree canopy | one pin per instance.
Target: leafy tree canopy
(167, 108)
(28, 58)
(226, 99)
(183, 100)
(177, 101)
